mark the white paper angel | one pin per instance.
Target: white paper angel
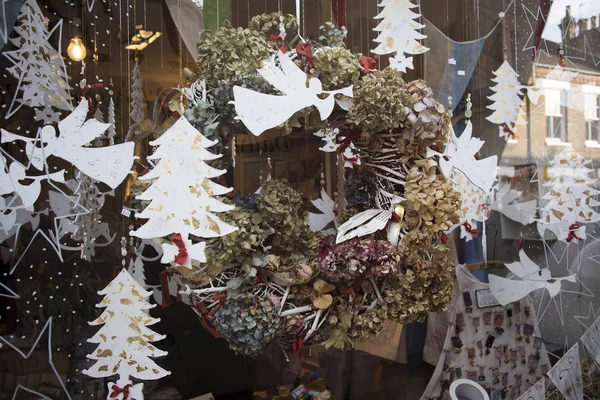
(183, 251)
(260, 112)
(351, 157)
(329, 137)
(107, 164)
(504, 202)
(28, 194)
(529, 278)
(318, 222)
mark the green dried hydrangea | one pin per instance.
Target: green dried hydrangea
(380, 102)
(336, 67)
(280, 207)
(243, 241)
(232, 52)
(248, 323)
(367, 323)
(274, 22)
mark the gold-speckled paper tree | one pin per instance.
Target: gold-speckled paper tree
(124, 340)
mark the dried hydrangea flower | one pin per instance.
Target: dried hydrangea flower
(274, 23)
(431, 195)
(249, 323)
(378, 102)
(228, 52)
(367, 323)
(336, 67)
(427, 120)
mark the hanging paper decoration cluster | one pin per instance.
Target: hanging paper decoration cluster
(570, 197)
(268, 272)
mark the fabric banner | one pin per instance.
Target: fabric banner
(566, 375)
(591, 340)
(188, 18)
(215, 13)
(9, 10)
(536, 392)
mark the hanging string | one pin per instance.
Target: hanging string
(515, 35)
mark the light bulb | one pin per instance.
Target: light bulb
(76, 49)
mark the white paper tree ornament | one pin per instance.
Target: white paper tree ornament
(40, 69)
(124, 340)
(570, 197)
(182, 197)
(507, 100)
(260, 111)
(398, 32)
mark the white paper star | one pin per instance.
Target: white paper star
(590, 317)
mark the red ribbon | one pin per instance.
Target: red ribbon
(116, 391)
(572, 234)
(486, 209)
(164, 288)
(509, 132)
(444, 238)
(353, 160)
(348, 137)
(182, 256)
(85, 90)
(521, 244)
(206, 322)
(280, 40)
(304, 50)
(298, 346)
(395, 217)
(367, 63)
(470, 229)
(261, 280)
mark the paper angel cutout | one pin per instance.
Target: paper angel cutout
(110, 165)
(124, 340)
(183, 251)
(504, 202)
(27, 193)
(260, 111)
(530, 277)
(318, 222)
(362, 224)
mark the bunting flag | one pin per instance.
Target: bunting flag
(9, 10)
(188, 19)
(566, 375)
(591, 340)
(536, 392)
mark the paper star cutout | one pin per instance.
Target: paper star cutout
(530, 16)
(591, 316)
(48, 327)
(586, 49)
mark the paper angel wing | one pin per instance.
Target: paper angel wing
(285, 77)
(363, 223)
(523, 213)
(110, 165)
(76, 131)
(524, 268)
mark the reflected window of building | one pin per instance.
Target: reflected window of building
(556, 113)
(592, 116)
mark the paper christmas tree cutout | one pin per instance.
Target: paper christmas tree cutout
(183, 196)
(90, 232)
(260, 112)
(112, 129)
(398, 32)
(40, 69)
(110, 165)
(136, 113)
(570, 197)
(124, 340)
(507, 100)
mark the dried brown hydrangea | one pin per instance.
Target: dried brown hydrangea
(336, 67)
(427, 120)
(244, 240)
(432, 197)
(380, 102)
(425, 282)
(229, 52)
(367, 323)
